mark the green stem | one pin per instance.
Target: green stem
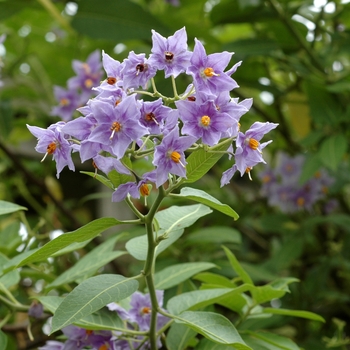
(5, 319)
(149, 267)
(14, 304)
(176, 96)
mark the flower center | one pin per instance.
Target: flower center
(169, 56)
(140, 68)
(209, 72)
(104, 347)
(88, 83)
(151, 117)
(205, 120)
(116, 127)
(111, 80)
(191, 98)
(300, 201)
(145, 310)
(175, 156)
(51, 148)
(64, 102)
(89, 332)
(253, 144)
(144, 190)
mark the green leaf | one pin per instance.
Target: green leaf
(90, 296)
(89, 231)
(3, 339)
(274, 339)
(206, 344)
(215, 234)
(118, 179)
(11, 264)
(296, 313)
(198, 299)
(178, 336)
(89, 263)
(11, 278)
(332, 151)
(311, 165)
(201, 161)
(116, 20)
(214, 327)
(214, 279)
(10, 238)
(7, 207)
(237, 267)
(175, 274)
(266, 293)
(100, 178)
(206, 199)
(100, 320)
(172, 222)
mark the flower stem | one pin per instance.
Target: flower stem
(149, 266)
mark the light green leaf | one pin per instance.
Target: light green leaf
(332, 151)
(3, 339)
(201, 161)
(199, 299)
(175, 274)
(274, 339)
(7, 207)
(266, 293)
(100, 178)
(172, 222)
(206, 199)
(11, 264)
(214, 279)
(237, 267)
(100, 320)
(178, 336)
(296, 313)
(89, 263)
(215, 234)
(90, 296)
(89, 231)
(11, 278)
(214, 327)
(206, 344)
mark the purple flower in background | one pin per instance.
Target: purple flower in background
(203, 120)
(69, 100)
(137, 71)
(169, 156)
(88, 74)
(289, 168)
(208, 71)
(171, 54)
(117, 126)
(53, 141)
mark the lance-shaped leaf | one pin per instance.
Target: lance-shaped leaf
(100, 178)
(214, 327)
(3, 339)
(89, 231)
(295, 313)
(272, 341)
(175, 274)
(201, 161)
(89, 263)
(178, 336)
(172, 222)
(8, 208)
(205, 198)
(100, 320)
(90, 296)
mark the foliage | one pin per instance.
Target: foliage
(295, 65)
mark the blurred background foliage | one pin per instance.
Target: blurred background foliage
(296, 66)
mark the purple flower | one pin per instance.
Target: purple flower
(53, 141)
(52, 345)
(169, 156)
(203, 120)
(36, 309)
(289, 168)
(137, 71)
(112, 68)
(208, 71)
(117, 126)
(107, 164)
(171, 54)
(153, 115)
(69, 100)
(88, 74)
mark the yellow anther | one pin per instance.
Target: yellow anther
(205, 120)
(209, 72)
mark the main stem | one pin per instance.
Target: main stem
(149, 267)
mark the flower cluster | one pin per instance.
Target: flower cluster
(282, 188)
(79, 87)
(137, 318)
(117, 126)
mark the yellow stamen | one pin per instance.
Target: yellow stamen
(266, 179)
(64, 102)
(50, 149)
(144, 190)
(115, 128)
(175, 156)
(88, 83)
(205, 120)
(104, 347)
(300, 201)
(111, 80)
(151, 117)
(248, 172)
(253, 144)
(209, 72)
(146, 310)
